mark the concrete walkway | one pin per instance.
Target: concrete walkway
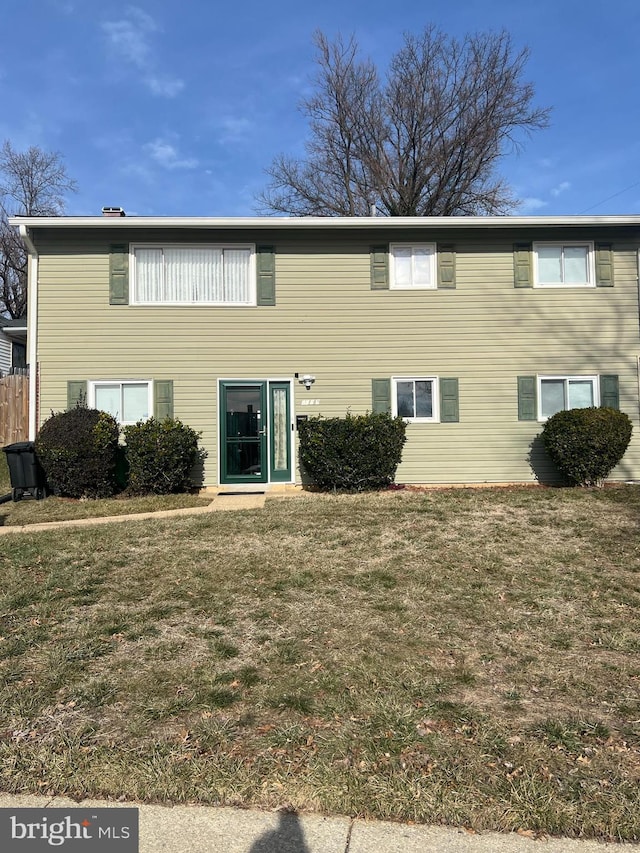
(222, 502)
(203, 829)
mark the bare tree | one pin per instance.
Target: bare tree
(426, 141)
(32, 183)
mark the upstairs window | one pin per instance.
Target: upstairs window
(564, 264)
(412, 266)
(194, 275)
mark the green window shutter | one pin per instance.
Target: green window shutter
(381, 395)
(449, 407)
(119, 274)
(604, 265)
(266, 272)
(379, 267)
(163, 399)
(76, 393)
(609, 393)
(447, 267)
(527, 398)
(522, 266)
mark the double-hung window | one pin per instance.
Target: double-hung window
(564, 264)
(415, 398)
(412, 266)
(194, 275)
(556, 393)
(128, 401)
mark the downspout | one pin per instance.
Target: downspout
(32, 328)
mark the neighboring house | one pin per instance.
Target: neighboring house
(13, 345)
(473, 329)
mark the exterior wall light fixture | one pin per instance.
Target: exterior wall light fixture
(307, 380)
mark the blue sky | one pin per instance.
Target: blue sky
(176, 108)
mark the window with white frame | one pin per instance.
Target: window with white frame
(412, 266)
(564, 264)
(556, 393)
(415, 398)
(194, 275)
(129, 401)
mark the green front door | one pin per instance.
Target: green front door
(244, 435)
(255, 432)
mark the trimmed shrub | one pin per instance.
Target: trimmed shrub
(353, 454)
(77, 450)
(586, 444)
(161, 456)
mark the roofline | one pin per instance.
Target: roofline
(311, 222)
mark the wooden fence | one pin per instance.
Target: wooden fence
(14, 409)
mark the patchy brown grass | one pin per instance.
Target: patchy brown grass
(28, 511)
(463, 657)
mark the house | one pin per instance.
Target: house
(474, 329)
(13, 345)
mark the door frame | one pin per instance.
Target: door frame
(267, 382)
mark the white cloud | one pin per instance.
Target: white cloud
(166, 155)
(167, 87)
(528, 205)
(564, 185)
(130, 39)
(233, 129)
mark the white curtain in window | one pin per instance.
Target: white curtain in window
(192, 275)
(236, 275)
(421, 266)
(280, 431)
(402, 266)
(149, 275)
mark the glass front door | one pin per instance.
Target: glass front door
(255, 432)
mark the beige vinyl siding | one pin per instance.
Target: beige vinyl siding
(328, 322)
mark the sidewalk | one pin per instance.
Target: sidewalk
(201, 829)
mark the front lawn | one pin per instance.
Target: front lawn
(463, 657)
(27, 511)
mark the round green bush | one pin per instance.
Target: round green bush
(353, 454)
(586, 444)
(161, 456)
(77, 450)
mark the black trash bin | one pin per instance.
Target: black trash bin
(27, 476)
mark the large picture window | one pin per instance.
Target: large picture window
(194, 275)
(128, 401)
(564, 264)
(415, 398)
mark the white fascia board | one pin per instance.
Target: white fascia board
(318, 222)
